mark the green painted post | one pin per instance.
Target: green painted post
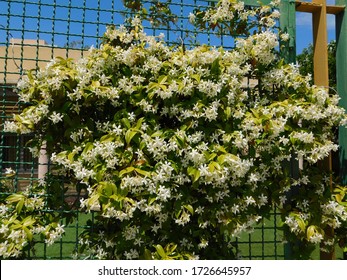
(341, 70)
(288, 24)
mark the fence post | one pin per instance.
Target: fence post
(341, 70)
(288, 24)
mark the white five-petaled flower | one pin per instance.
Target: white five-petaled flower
(56, 117)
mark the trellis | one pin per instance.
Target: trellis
(33, 32)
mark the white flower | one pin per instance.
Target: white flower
(9, 171)
(130, 233)
(285, 37)
(262, 200)
(183, 219)
(203, 244)
(56, 117)
(155, 228)
(249, 200)
(253, 178)
(199, 209)
(276, 14)
(191, 18)
(4, 229)
(306, 137)
(235, 209)
(283, 199)
(316, 238)
(163, 193)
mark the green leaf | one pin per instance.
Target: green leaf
(126, 171)
(215, 67)
(212, 166)
(189, 208)
(28, 221)
(222, 149)
(301, 223)
(160, 251)
(16, 225)
(13, 198)
(71, 156)
(148, 255)
(20, 205)
(28, 233)
(162, 79)
(221, 159)
(151, 200)
(126, 123)
(143, 145)
(89, 146)
(94, 200)
(227, 112)
(139, 123)
(210, 156)
(180, 85)
(157, 134)
(180, 141)
(129, 135)
(99, 175)
(312, 230)
(196, 77)
(170, 248)
(143, 172)
(194, 173)
(107, 138)
(108, 188)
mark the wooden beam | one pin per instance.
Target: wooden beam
(335, 10)
(308, 7)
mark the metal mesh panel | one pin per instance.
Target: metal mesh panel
(32, 33)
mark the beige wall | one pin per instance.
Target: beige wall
(28, 54)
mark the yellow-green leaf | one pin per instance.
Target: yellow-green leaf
(129, 135)
(160, 251)
(126, 170)
(189, 208)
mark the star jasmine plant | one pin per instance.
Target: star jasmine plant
(181, 150)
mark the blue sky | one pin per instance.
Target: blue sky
(29, 25)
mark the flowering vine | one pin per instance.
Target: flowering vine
(181, 150)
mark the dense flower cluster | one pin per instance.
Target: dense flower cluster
(180, 150)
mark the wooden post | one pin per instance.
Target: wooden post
(320, 45)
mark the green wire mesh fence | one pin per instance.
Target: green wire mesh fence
(34, 32)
